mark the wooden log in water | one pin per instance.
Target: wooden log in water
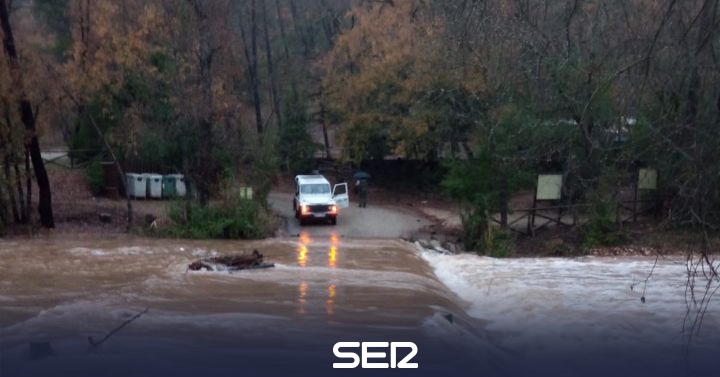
(230, 262)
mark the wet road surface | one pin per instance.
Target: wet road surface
(372, 221)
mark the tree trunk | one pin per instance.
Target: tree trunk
(119, 169)
(202, 169)
(288, 67)
(324, 130)
(84, 26)
(271, 72)
(251, 57)
(282, 30)
(9, 187)
(28, 119)
(8, 161)
(28, 187)
(3, 210)
(504, 198)
(298, 28)
(256, 76)
(43, 182)
(21, 194)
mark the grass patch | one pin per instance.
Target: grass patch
(232, 218)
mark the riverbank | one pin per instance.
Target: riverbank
(424, 216)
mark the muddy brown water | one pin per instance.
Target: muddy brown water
(64, 289)
(554, 317)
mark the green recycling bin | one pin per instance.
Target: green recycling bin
(168, 186)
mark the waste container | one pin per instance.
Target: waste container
(154, 185)
(246, 192)
(168, 186)
(180, 188)
(136, 185)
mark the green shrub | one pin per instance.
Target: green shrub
(94, 177)
(264, 170)
(481, 236)
(601, 228)
(499, 243)
(475, 227)
(233, 217)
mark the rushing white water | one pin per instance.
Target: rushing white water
(591, 305)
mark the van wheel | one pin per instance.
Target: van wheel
(333, 221)
(302, 221)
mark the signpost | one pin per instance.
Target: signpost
(647, 179)
(548, 188)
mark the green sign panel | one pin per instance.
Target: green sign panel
(647, 179)
(549, 187)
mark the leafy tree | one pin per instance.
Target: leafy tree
(375, 73)
(296, 146)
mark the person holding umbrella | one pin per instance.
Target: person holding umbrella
(361, 187)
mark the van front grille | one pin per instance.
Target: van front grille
(319, 208)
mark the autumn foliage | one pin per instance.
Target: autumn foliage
(234, 90)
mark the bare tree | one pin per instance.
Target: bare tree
(203, 172)
(250, 49)
(281, 23)
(274, 92)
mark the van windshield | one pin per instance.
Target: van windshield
(318, 188)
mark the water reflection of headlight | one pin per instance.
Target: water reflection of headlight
(302, 255)
(302, 297)
(302, 251)
(305, 238)
(330, 302)
(332, 257)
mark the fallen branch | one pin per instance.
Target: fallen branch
(642, 298)
(95, 344)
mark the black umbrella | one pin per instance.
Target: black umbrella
(361, 175)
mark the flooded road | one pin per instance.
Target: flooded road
(322, 290)
(514, 317)
(154, 273)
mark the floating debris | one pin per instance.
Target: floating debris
(231, 262)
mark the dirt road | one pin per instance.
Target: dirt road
(371, 222)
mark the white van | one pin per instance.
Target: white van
(315, 200)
